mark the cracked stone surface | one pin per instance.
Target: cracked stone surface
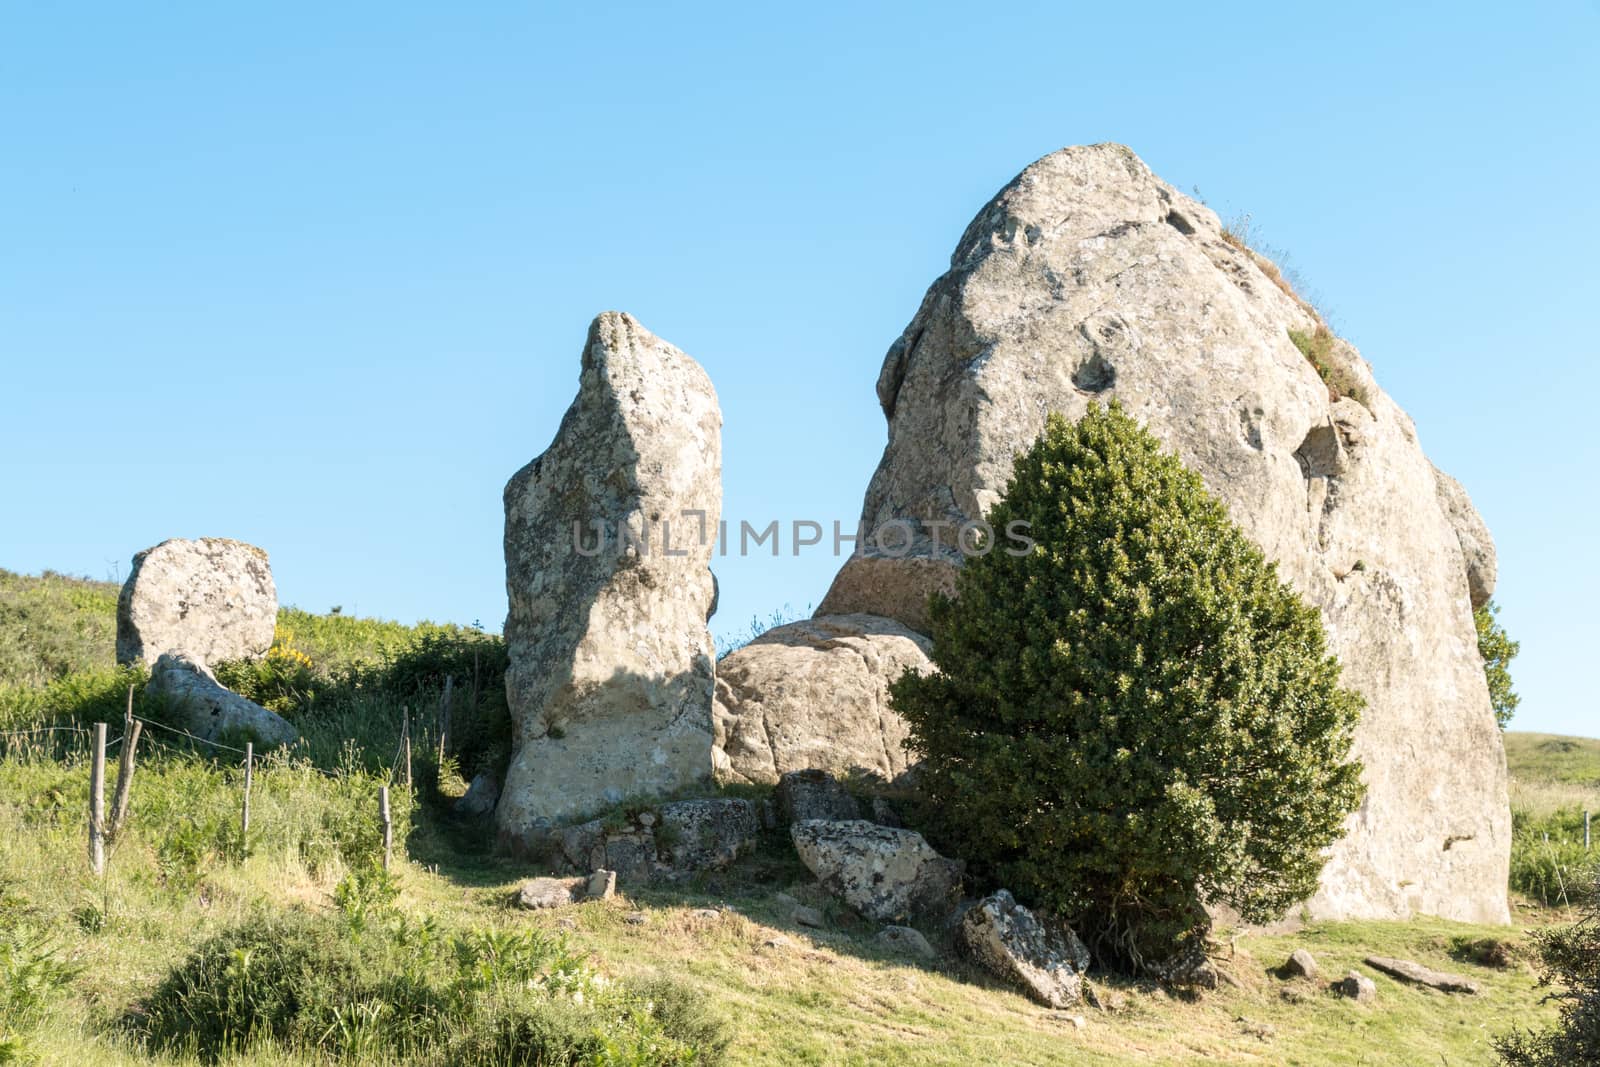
(607, 576)
(1087, 278)
(210, 600)
(814, 695)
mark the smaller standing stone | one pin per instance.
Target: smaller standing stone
(209, 600)
(602, 885)
(1358, 987)
(1300, 964)
(906, 940)
(1046, 959)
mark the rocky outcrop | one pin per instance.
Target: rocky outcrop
(1089, 279)
(815, 695)
(208, 600)
(881, 872)
(195, 701)
(1046, 960)
(1472, 534)
(608, 538)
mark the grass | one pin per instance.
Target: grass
(100, 962)
(1554, 780)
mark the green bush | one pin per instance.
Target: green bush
(1137, 717)
(322, 986)
(32, 973)
(1497, 650)
(1570, 958)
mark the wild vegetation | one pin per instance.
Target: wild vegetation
(101, 970)
(1137, 716)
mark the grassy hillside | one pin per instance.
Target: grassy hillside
(438, 966)
(1554, 780)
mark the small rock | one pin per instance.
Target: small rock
(776, 941)
(1077, 1022)
(542, 893)
(814, 794)
(602, 885)
(634, 918)
(1045, 959)
(1417, 974)
(1358, 987)
(481, 796)
(883, 873)
(1300, 964)
(805, 916)
(906, 940)
(1291, 995)
(566, 923)
(647, 818)
(788, 900)
(1261, 1031)
(711, 914)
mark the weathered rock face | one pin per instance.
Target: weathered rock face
(814, 694)
(883, 873)
(1477, 546)
(610, 682)
(1089, 279)
(198, 703)
(211, 600)
(1045, 959)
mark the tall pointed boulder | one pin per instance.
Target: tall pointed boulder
(608, 541)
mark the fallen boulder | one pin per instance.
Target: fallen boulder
(1300, 964)
(1417, 974)
(814, 694)
(882, 872)
(195, 701)
(1046, 959)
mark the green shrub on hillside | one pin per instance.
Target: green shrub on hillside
(1138, 717)
(484, 996)
(1570, 956)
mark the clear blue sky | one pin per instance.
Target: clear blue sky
(318, 276)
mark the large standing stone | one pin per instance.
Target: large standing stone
(1089, 279)
(610, 681)
(1045, 959)
(883, 873)
(210, 600)
(814, 694)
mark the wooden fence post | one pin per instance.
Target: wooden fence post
(388, 826)
(405, 744)
(1586, 831)
(249, 778)
(97, 802)
(131, 729)
(444, 718)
